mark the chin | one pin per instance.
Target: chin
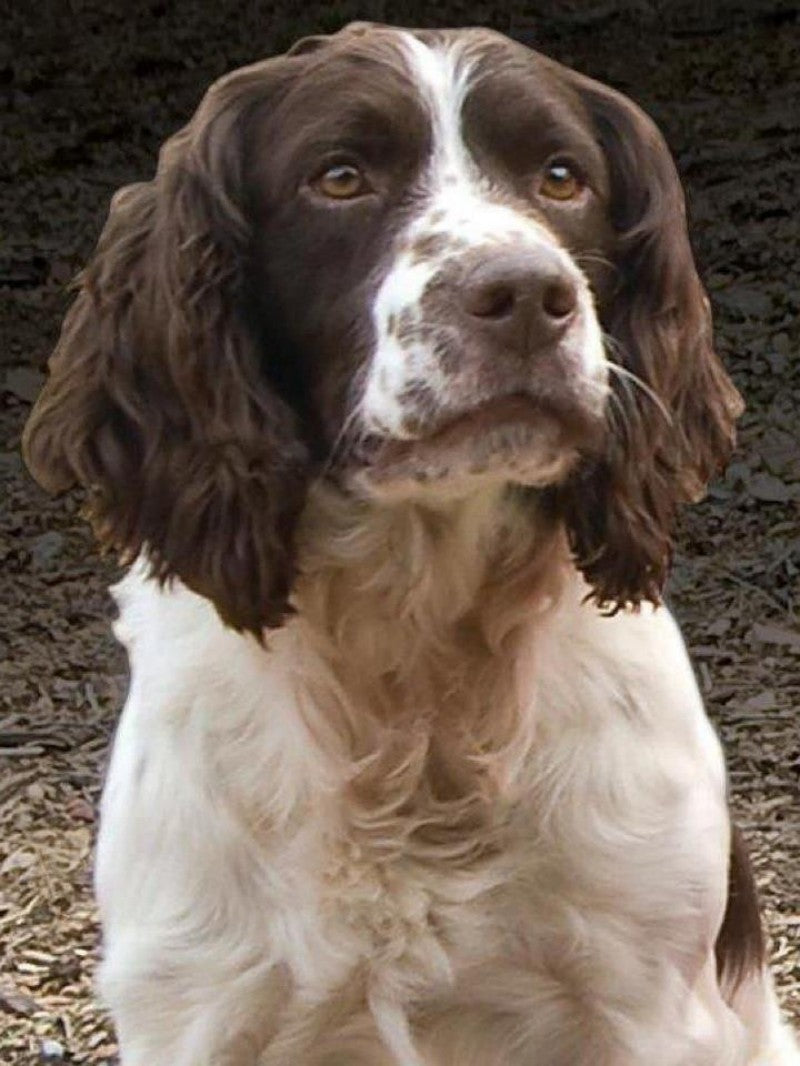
(512, 441)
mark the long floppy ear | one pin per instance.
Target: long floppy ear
(673, 429)
(158, 400)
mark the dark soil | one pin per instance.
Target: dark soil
(87, 94)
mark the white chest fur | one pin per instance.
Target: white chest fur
(537, 819)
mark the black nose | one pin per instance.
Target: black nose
(525, 298)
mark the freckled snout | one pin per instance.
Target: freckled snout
(462, 324)
(522, 300)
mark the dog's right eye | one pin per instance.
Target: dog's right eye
(344, 181)
(561, 181)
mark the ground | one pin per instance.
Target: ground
(88, 93)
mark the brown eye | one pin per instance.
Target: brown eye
(342, 182)
(560, 182)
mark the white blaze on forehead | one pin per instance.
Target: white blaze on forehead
(459, 203)
(442, 76)
(457, 191)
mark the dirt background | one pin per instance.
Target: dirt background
(88, 90)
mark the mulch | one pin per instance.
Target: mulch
(87, 93)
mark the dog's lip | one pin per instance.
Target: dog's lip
(514, 412)
(490, 414)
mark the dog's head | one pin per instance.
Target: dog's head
(411, 262)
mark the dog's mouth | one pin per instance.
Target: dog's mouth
(517, 438)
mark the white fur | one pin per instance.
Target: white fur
(460, 204)
(431, 824)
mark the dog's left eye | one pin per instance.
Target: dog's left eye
(343, 181)
(560, 181)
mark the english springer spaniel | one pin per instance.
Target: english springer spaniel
(389, 385)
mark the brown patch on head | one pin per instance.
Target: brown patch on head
(318, 264)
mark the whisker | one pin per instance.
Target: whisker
(344, 442)
(613, 345)
(342, 439)
(595, 257)
(617, 408)
(624, 374)
(643, 387)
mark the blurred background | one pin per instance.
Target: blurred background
(88, 90)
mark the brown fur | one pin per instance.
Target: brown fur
(621, 511)
(158, 401)
(189, 399)
(740, 948)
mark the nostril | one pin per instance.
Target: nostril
(559, 299)
(491, 301)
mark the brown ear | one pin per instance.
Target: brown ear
(673, 429)
(158, 400)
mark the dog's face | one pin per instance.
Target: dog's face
(407, 261)
(428, 242)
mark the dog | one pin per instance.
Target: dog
(388, 387)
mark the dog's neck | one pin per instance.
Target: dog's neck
(378, 576)
(409, 620)
(415, 614)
